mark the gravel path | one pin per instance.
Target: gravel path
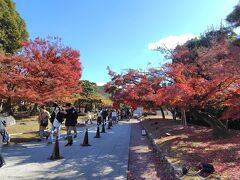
(143, 160)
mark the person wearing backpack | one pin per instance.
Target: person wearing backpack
(71, 123)
(4, 138)
(43, 122)
(57, 117)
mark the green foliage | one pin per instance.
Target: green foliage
(234, 17)
(102, 92)
(89, 88)
(207, 38)
(12, 28)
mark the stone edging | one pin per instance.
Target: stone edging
(174, 171)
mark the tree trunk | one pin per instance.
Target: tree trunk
(7, 106)
(173, 111)
(219, 130)
(184, 120)
(226, 123)
(34, 110)
(163, 115)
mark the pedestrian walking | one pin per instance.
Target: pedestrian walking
(57, 117)
(104, 115)
(89, 117)
(99, 117)
(118, 115)
(4, 138)
(43, 118)
(128, 114)
(114, 116)
(122, 114)
(71, 123)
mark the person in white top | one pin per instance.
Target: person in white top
(57, 117)
(89, 117)
(114, 116)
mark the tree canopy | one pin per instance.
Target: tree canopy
(12, 28)
(203, 79)
(234, 17)
(88, 89)
(44, 71)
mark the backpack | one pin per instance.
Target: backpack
(208, 168)
(5, 136)
(75, 114)
(44, 122)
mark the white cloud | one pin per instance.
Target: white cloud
(237, 31)
(171, 42)
(100, 83)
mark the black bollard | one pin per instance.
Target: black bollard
(85, 140)
(56, 153)
(98, 132)
(103, 128)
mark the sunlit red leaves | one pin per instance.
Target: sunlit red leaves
(13, 82)
(55, 69)
(44, 71)
(213, 77)
(181, 52)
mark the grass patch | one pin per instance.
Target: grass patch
(26, 129)
(27, 137)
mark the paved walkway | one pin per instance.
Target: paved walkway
(143, 160)
(107, 158)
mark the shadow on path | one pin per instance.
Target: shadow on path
(144, 162)
(106, 158)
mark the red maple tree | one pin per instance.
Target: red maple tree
(53, 69)
(43, 71)
(203, 80)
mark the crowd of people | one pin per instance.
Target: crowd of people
(58, 115)
(70, 114)
(113, 115)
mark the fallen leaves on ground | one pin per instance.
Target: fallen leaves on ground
(193, 145)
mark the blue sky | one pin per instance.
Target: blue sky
(120, 33)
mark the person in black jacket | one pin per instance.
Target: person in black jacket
(57, 117)
(71, 123)
(104, 115)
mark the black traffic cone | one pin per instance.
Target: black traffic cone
(55, 154)
(98, 132)
(103, 128)
(85, 140)
(109, 125)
